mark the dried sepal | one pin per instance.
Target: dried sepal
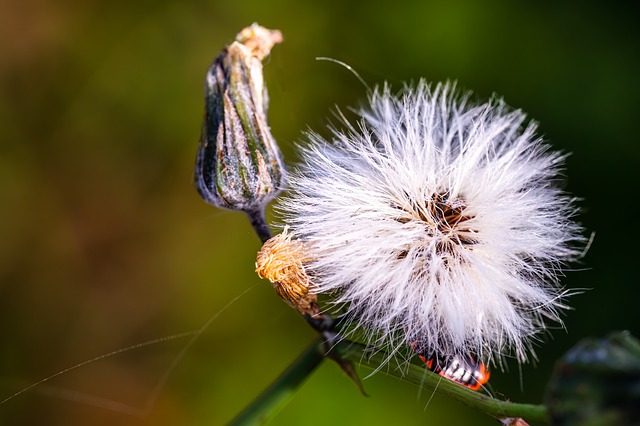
(282, 260)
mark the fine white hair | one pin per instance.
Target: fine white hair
(436, 222)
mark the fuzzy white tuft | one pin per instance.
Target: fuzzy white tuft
(437, 223)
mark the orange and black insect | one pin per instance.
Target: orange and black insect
(463, 370)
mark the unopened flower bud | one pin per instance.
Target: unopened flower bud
(239, 165)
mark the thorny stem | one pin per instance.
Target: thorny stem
(259, 223)
(282, 390)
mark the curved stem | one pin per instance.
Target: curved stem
(417, 374)
(282, 390)
(259, 223)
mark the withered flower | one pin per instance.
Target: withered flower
(281, 260)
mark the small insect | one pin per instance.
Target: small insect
(463, 370)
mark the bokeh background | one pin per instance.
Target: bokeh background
(104, 243)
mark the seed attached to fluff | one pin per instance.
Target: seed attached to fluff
(281, 260)
(436, 222)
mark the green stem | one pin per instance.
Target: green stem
(282, 390)
(417, 374)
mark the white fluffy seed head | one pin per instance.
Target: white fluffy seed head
(436, 222)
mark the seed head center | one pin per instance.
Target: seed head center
(446, 221)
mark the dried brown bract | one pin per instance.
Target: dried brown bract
(281, 260)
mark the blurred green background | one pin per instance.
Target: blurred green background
(104, 242)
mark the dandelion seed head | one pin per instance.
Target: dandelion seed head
(436, 222)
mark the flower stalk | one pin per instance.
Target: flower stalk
(282, 390)
(418, 375)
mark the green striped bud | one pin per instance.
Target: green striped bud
(239, 165)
